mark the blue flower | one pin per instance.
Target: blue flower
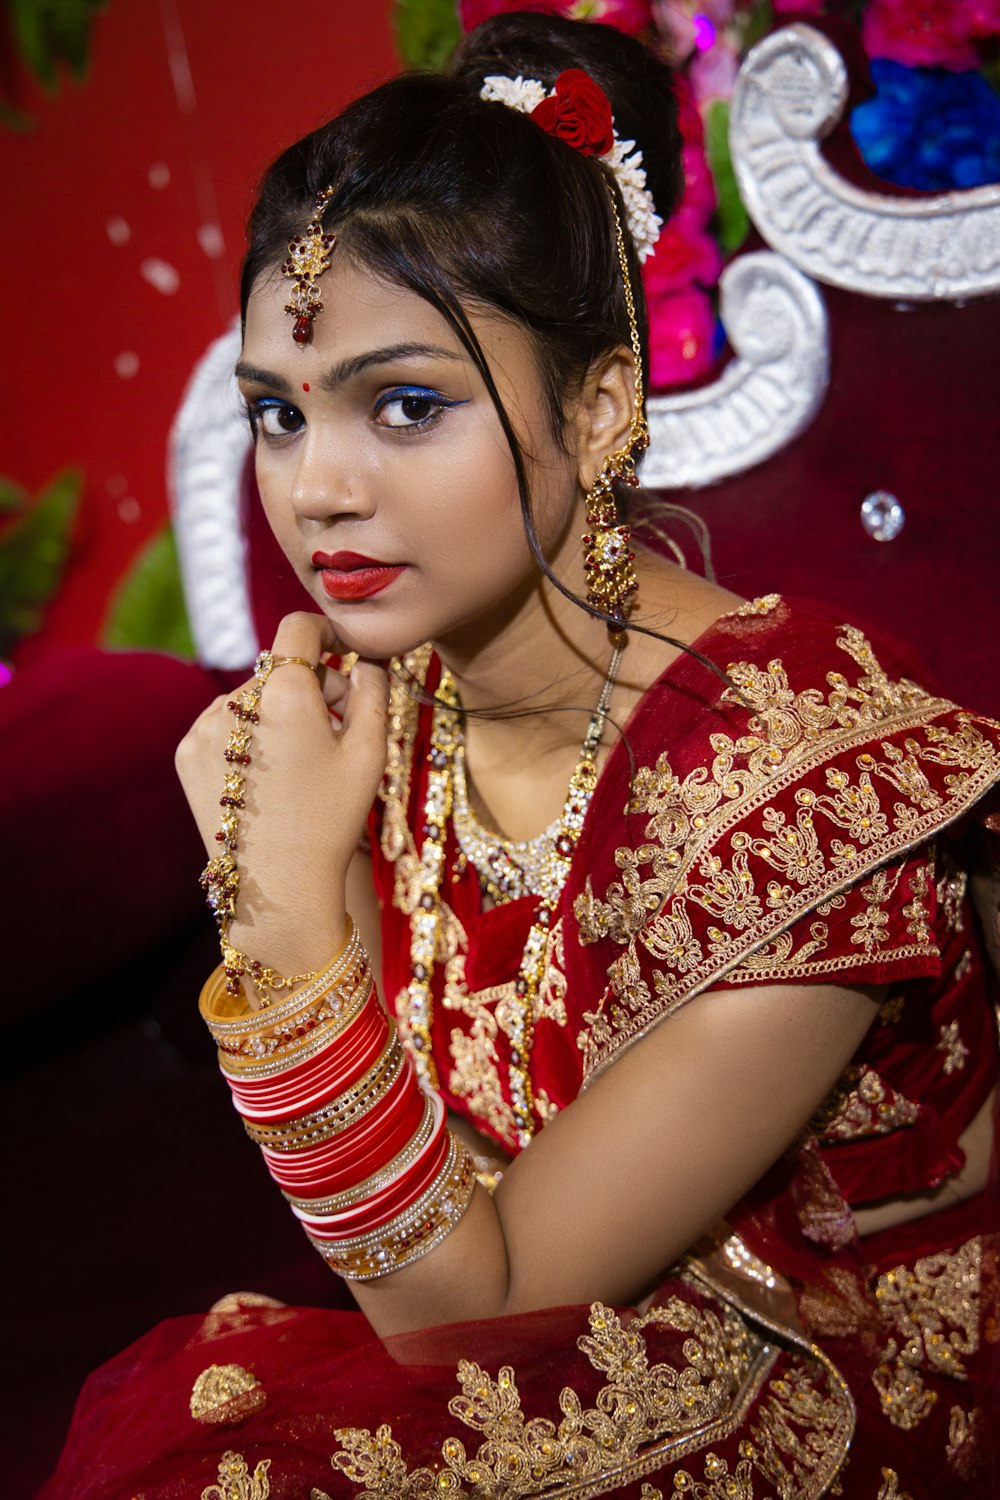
(929, 128)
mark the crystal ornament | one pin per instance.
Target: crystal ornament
(882, 516)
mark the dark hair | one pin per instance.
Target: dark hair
(469, 203)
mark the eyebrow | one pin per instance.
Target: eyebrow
(348, 369)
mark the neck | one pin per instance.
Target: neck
(545, 656)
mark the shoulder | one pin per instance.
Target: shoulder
(746, 806)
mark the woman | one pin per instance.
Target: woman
(748, 1251)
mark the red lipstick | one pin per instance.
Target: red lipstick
(351, 575)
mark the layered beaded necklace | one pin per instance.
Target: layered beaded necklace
(506, 870)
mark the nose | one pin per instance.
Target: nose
(327, 481)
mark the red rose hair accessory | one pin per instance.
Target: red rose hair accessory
(578, 111)
(308, 258)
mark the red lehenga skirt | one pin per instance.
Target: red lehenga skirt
(696, 1395)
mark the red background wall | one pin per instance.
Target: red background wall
(186, 102)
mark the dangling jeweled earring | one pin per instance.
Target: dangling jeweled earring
(607, 554)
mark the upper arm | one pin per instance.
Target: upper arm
(670, 1137)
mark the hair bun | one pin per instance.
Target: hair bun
(637, 81)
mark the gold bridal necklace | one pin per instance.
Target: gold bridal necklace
(506, 870)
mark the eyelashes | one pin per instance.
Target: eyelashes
(412, 408)
(403, 409)
(272, 418)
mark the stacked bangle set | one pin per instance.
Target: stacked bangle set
(326, 1089)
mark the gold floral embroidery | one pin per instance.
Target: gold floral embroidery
(889, 1488)
(933, 1311)
(963, 1441)
(954, 1049)
(235, 1482)
(764, 604)
(800, 1437)
(862, 1105)
(718, 1483)
(918, 916)
(226, 1394)
(644, 1411)
(951, 891)
(964, 965)
(716, 845)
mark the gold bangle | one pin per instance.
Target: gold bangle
(346, 1109)
(349, 1197)
(227, 1014)
(413, 1233)
(285, 1054)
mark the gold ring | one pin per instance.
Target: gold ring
(287, 661)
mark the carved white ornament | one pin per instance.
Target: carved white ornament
(776, 322)
(209, 443)
(789, 93)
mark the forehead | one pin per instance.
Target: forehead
(354, 301)
(361, 312)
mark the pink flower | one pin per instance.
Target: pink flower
(713, 73)
(631, 16)
(688, 119)
(681, 338)
(684, 254)
(691, 25)
(984, 17)
(699, 188)
(802, 7)
(923, 33)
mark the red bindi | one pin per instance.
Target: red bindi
(305, 385)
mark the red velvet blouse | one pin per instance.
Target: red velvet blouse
(797, 826)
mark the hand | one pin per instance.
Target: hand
(309, 789)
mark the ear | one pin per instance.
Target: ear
(603, 415)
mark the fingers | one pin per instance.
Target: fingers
(306, 635)
(367, 701)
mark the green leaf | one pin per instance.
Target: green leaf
(427, 32)
(50, 33)
(33, 552)
(12, 496)
(731, 216)
(148, 612)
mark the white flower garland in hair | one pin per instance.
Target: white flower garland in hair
(644, 223)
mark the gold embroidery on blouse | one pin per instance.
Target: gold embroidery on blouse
(954, 1049)
(235, 1482)
(764, 604)
(963, 1441)
(889, 1488)
(951, 891)
(226, 1394)
(714, 842)
(643, 1417)
(933, 1312)
(964, 965)
(862, 1105)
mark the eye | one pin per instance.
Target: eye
(273, 418)
(412, 408)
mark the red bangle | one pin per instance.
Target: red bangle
(372, 1149)
(329, 1073)
(374, 1212)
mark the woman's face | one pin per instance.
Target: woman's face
(383, 468)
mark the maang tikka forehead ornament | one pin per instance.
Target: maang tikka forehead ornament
(308, 258)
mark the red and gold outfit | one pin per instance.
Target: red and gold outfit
(802, 824)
